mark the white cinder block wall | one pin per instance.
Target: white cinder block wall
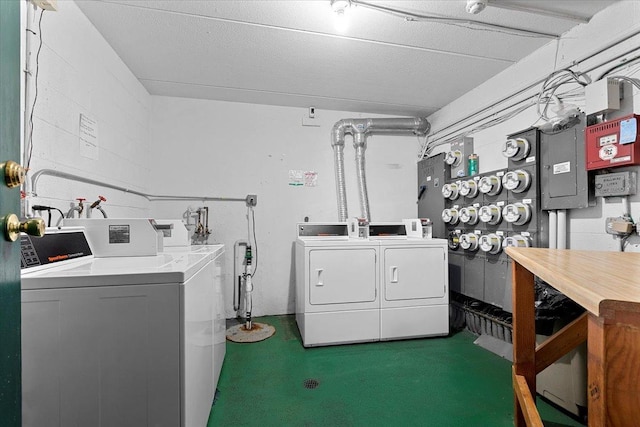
(226, 149)
(79, 73)
(586, 226)
(195, 147)
(198, 147)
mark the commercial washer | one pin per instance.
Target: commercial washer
(124, 341)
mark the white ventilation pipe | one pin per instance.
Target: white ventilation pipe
(360, 129)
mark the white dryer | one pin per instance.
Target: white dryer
(337, 290)
(414, 300)
(115, 341)
(383, 287)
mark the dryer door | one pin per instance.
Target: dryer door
(342, 276)
(413, 273)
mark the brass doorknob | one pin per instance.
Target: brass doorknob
(14, 174)
(12, 227)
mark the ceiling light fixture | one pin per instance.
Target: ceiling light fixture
(473, 6)
(476, 6)
(340, 7)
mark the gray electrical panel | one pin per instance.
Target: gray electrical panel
(431, 177)
(483, 211)
(564, 180)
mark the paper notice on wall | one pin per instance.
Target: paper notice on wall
(296, 178)
(300, 178)
(88, 137)
(310, 178)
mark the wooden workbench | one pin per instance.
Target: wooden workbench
(607, 285)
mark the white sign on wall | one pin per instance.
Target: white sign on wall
(299, 178)
(88, 137)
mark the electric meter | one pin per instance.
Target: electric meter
(490, 214)
(450, 216)
(491, 243)
(490, 185)
(469, 242)
(516, 149)
(517, 181)
(518, 241)
(453, 239)
(517, 213)
(469, 215)
(469, 188)
(450, 191)
(453, 158)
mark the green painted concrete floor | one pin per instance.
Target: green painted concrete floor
(436, 382)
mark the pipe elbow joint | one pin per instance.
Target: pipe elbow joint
(337, 133)
(422, 126)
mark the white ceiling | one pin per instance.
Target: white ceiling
(289, 52)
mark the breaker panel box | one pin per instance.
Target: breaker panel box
(564, 180)
(431, 178)
(614, 143)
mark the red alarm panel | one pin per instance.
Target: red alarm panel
(614, 143)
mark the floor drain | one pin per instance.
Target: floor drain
(311, 383)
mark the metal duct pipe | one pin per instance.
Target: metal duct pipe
(341, 191)
(362, 179)
(360, 129)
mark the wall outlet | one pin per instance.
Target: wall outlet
(251, 200)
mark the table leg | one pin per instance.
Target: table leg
(614, 365)
(524, 334)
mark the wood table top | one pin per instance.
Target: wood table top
(589, 278)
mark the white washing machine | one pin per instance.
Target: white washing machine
(381, 288)
(115, 341)
(219, 316)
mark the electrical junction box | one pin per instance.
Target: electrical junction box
(602, 96)
(614, 143)
(616, 184)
